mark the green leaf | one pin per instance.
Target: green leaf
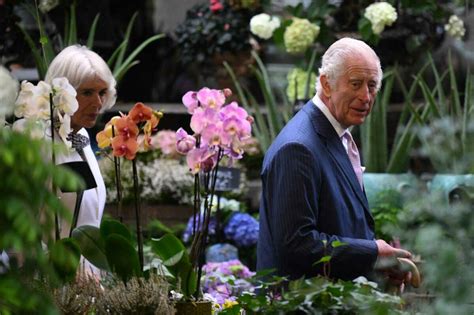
(91, 36)
(110, 226)
(336, 244)
(324, 259)
(122, 257)
(169, 248)
(92, 245)
(65, 255)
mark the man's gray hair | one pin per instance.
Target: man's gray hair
(334, 60)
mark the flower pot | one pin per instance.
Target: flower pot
(375, 183)
(195, 308)
(454, 187)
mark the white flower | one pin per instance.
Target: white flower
(263, 25)
(65, 128)
(363, 281)
(35, 128)
(380, 14)
(64, 97)
(47, 5)
(455, 27)
(8, 92)
(33, 101)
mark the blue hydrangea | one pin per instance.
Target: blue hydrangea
(242, 229)
(188, 233)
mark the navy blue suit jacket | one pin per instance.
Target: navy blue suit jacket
(310, 194)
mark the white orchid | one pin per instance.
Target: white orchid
(64, 96)
(8, 94)
(33, 105)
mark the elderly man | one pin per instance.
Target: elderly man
(313, 193)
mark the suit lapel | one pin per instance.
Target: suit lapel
(334, 145)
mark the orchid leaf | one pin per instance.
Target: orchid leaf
(92, 245)
(122, 257)
(91, 36)
(109, 227)
(65, 255)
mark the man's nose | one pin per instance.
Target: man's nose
(364, 93)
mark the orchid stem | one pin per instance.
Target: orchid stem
(137, 212)
(53, 157)
(118, 182)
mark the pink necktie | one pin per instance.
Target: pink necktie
(354, 157)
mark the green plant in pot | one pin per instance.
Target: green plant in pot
(450, 133)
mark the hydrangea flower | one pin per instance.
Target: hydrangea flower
(243, 229)
(225, 280)
(299, 77)
(188, 232)
(380, 14)
(300, 35)
(263, 25)
(455, 27)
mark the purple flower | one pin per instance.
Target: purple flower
(242, 229)
(190, 101)
(188, 232)
(226, 280)
(184, 142)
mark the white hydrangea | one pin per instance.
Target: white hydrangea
(455, 27)
(380, 14)
(263, 25)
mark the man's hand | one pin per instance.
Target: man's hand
(388, 264)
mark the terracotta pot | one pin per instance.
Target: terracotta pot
(195, 308)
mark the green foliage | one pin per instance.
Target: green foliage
(109, 248)
(387, 205)
(442, 235)
(175, 257)
(317, 295)
(27, 214)
(64, 256)
(46, 53)
(270, 121)
(205, 33)
(451, 126)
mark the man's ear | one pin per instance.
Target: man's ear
(325, 85)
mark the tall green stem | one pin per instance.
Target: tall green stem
(137, 212)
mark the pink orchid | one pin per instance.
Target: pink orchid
(210, 98)
(202, 118)
(233, 110)
(184, 142)
(201, 159)
(236, 127)
(214, 135)
(190, 101)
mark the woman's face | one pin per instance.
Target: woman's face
(91, 95)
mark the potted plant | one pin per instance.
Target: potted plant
(218, 132)
(214, 32)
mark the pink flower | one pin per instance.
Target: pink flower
(184, 142)
(190, 101)
(165, 140)
(202, 118)
(201, 159)
(213, 99)
(216, 6)
(214, 135)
